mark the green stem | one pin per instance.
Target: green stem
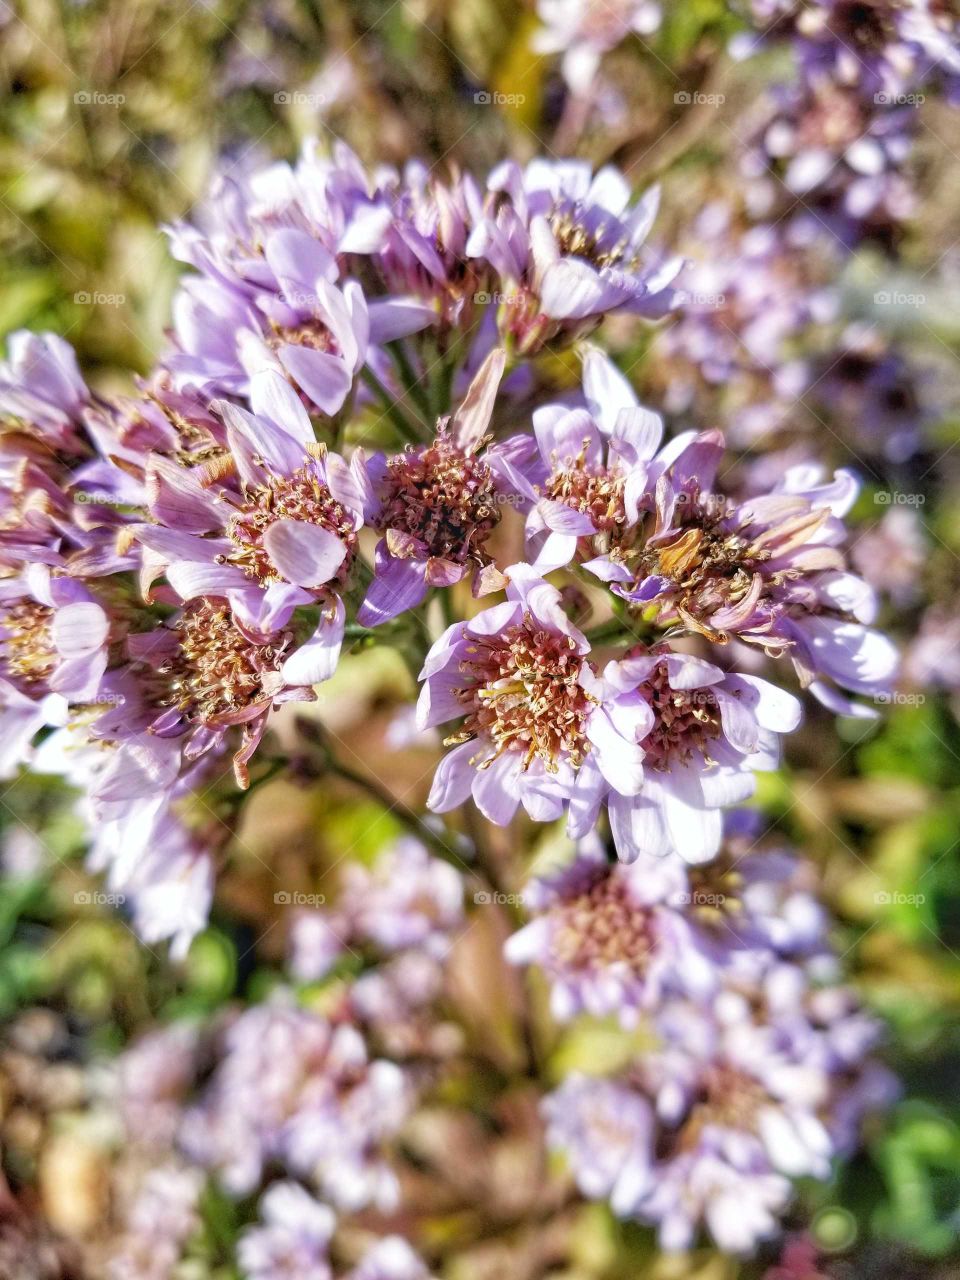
(411, 820)
(612, 629)
(391, 406)
(408, 376)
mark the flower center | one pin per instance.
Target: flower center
(28, 652)
(301, 497)
(216, 670)
(443, 497)
(597, 492)
(602, 926)
(710, 568)
(729, 1099)
(714, 891)
(579, 234)
(309, 333)
(525, 696)
(685, 721)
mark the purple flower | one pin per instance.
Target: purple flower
(295, 1089)
(608, 938)
(53, 653)
(704, 733)
(202, 674)
(567, 246)
(408, 900)
(170, 889)
(584, 30)
(290, 1240)
(822, 148)
(596, 469)
(752, 294)
(391, 1258)
(163, 1216)
(885, 51)
(422, 253)
(154, 1076)
(708, 1128)
(617, 939)
(269, 296)
(607, 1130)
(283, 536)
(769, 571)
(439, 503)
(533, 710)
(42, 393)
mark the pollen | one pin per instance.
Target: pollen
(302, 496)
(602, 926)
(596, 491)
(524, 695)
(685, 721)
(310, 333)
(600, 245)
(217, 670)
(28, 651)
(444, 497)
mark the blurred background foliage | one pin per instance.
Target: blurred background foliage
(114, 114)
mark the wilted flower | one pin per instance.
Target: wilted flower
(769, 570)
(438, 504)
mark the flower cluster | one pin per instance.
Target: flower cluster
(349, 439)
(757, 1073)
